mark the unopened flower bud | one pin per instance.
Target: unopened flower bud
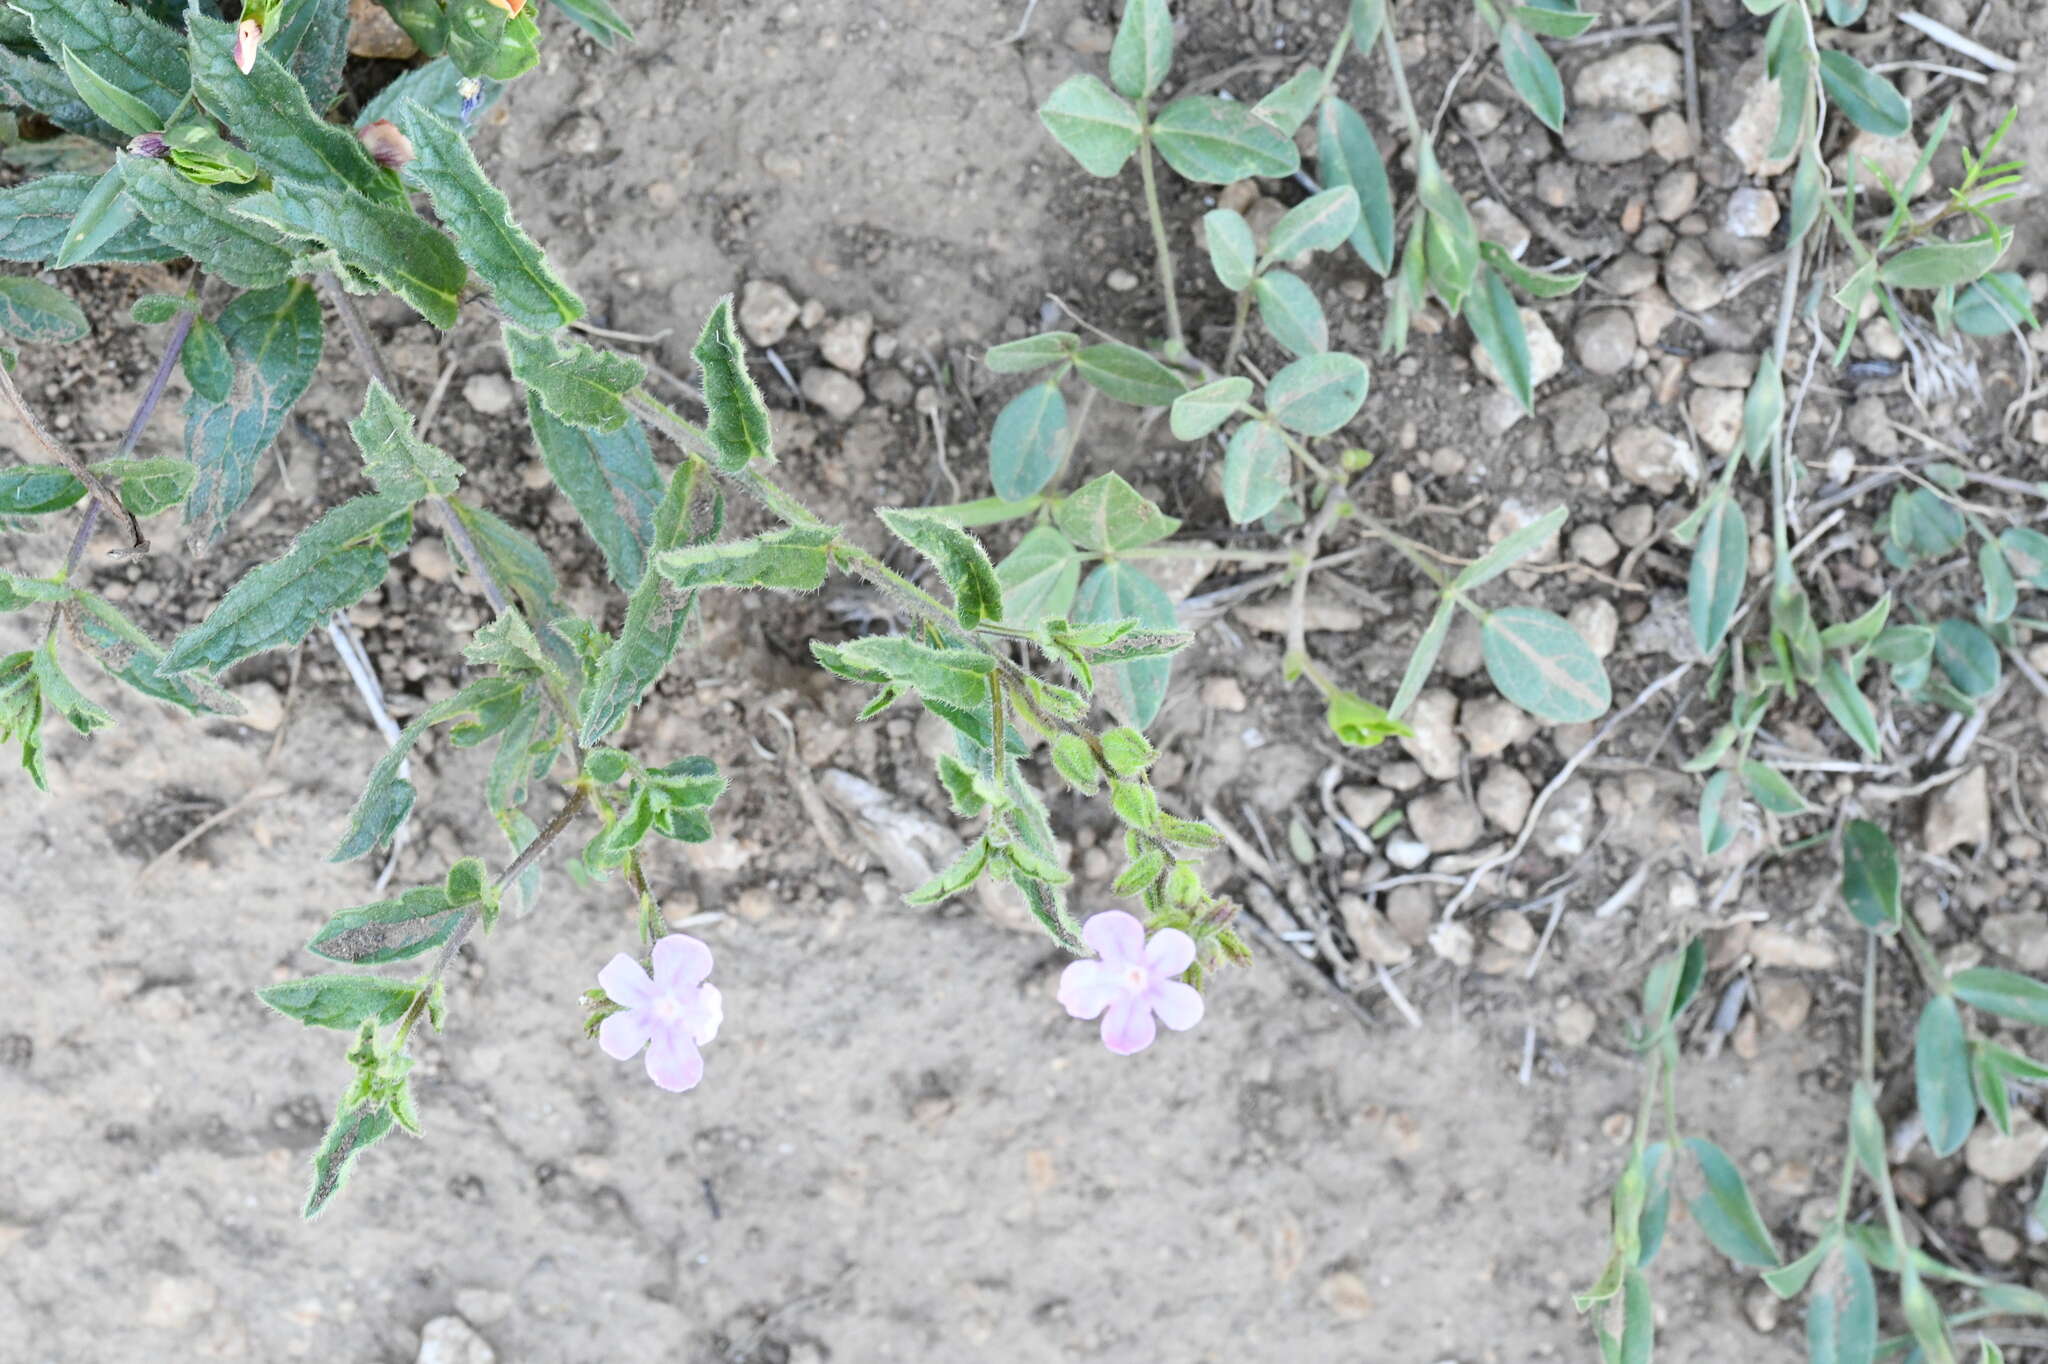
(511, 7)
(472, 91)
(151, 145)
(389, 147)
(248, 37)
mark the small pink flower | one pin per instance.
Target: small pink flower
(671, 1014)
(1131, 981)
(248, 37)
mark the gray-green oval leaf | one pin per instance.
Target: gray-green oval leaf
(1093, 123)
(1290, 313)
(1024, 448)
(1346, 154)
(1255, 472)
(1215, 141)
(1865, 98)
(1318, 223)
(1533, 74)
(1143, 50)
(1318, 394)
(1232, 252)
(1941, 1076)
(1128, 375)
(1870, 875)
(1720, 567)
(1968, 656)
(1539, 662)
(1199, 411)
(1726, 1213)
(38, 313)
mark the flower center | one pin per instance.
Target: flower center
(668, 1008)
(1135, 978)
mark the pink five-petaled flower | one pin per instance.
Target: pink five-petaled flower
(248, 37)
(1132, 980)
(671, 1014)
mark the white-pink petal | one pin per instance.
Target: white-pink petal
(1088, 987)
(625, 981)
(707, 1015)
(1127, 1027)
(1170, 952)
(680, 959)
(1118, 936)
(1178, 1004)
(673, 1061)
(623, 1034)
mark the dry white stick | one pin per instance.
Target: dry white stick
(1386, 980)
(1956, 42)
(1592, 746)
(356, 660)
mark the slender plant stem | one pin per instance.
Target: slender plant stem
(1231, 352)
(563, 818)
(1176, 341)
(174, 345)
(1400, 74)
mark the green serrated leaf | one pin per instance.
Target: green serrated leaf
(274, 338)
(341, 1002)
(480, 220)
(352, 1133)
(333, 564)
(575, 383)
(738, 423)
(124, 47)
(1540, 663)
(38, 220)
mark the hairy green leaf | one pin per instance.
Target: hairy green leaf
(134, 659)
(480, 220)
(959, 558)
(611, 481)
(333, 564)
(33, 311)
(43, 87)
(389, 930)
(353, 1132)
(312, 42)
(387, 797)
(577, 384)
(121, 45)
(106, 225)
(397, 461)
(1199, 411)
(341, 1002)
(269, 113)
(1321, 222)
(113, 104)
(274, 338)
(390, 245)
(1233, 253)
(203, 223)
(953, 677)
(793, 560)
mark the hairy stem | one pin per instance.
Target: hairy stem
(552, 830)
(174, 346)
(1176, 342)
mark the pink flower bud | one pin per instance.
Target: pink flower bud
(151, 145)
(389, 147)
(248, 37)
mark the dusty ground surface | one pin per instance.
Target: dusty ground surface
(903, 1150)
